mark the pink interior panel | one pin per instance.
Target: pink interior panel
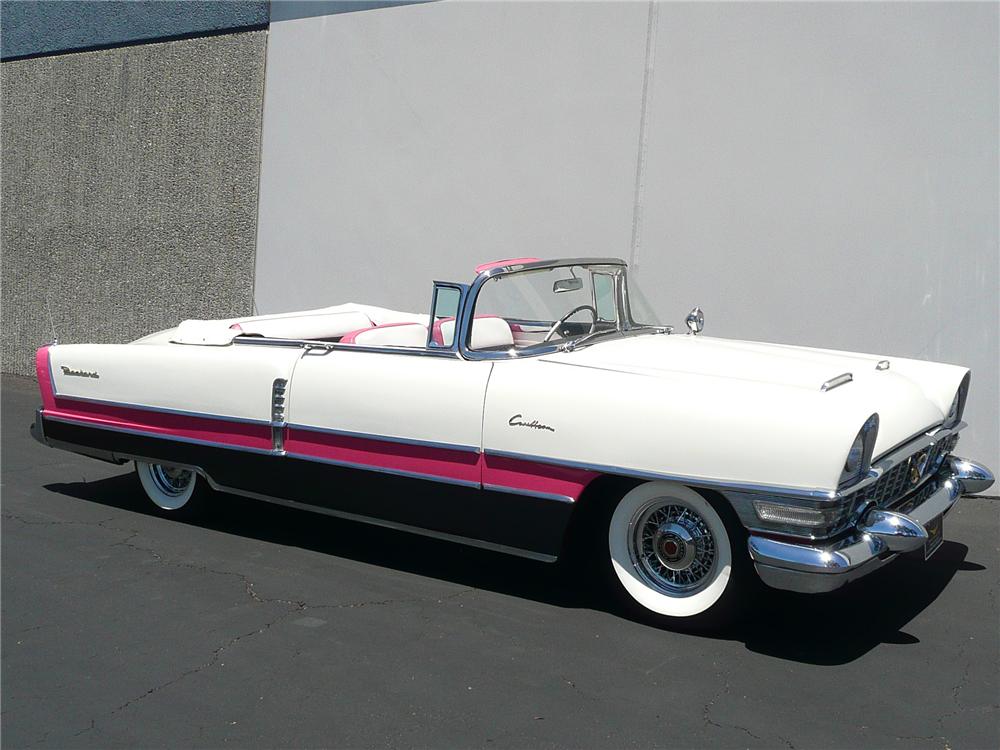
(351, 338)
(348, 338)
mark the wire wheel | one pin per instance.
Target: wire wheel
(169, 487)
(171, 480)
(672, 547)
(670, 550)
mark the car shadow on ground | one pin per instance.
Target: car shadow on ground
(828, 629)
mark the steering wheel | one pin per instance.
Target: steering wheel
(567, 316)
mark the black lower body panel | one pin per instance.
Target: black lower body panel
(527, 524)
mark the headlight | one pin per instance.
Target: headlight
(859, 456)
(852, 466)
(958, 403)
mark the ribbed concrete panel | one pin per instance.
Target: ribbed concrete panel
(129, 183)
(827, 175)
(407, 143)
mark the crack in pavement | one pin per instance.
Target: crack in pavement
(294, 607)
(29, 522)
(726, 690)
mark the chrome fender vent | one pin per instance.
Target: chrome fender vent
(278, 390)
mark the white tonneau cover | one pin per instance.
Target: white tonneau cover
(325, 323)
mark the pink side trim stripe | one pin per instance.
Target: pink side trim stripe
(417, 459)
(531, 476)
(162, 424)
(444, 463)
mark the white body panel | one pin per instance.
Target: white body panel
(714, 410)
(233, 382)
(711, 409)
(418, 398)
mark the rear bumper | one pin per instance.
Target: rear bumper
(876, 540)
(38, 428)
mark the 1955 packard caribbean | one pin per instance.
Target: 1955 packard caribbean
(534, 396)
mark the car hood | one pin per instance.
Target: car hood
(910, 396)
(793, 366)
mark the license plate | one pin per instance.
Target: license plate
(935, 535)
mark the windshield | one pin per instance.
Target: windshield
(548, 306)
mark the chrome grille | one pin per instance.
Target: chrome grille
(897, 481)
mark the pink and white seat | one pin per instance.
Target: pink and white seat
(488, 331)
(390, 334)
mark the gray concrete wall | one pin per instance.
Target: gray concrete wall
(819, 174)
(129, 184)
(827, 175)
(36, 27)
(409, 143)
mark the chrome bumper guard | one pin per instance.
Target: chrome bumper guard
(878, 537)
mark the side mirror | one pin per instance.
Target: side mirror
(695, 321)
(574, 284)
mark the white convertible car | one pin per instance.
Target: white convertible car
(536, 397)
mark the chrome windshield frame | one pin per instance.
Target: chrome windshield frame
(623, 320)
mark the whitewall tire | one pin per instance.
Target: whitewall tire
(670, 551)
(171, 488)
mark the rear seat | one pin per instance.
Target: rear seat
(390, 334)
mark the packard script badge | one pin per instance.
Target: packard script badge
(79, 373)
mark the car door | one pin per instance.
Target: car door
(397, 430)
(389, 437)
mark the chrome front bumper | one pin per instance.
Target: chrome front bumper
(876, 540)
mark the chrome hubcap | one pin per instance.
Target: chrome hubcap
(171, 480)
(671, 547)
(674, 546)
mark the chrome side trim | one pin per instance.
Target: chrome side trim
(818, 494)
(325, 347)
(386, 438)
(836, 382)
(529, 493)
(384, 470)
(165, 410)
(147, 433)
(319, 459)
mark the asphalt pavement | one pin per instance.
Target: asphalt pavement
(271, 627)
